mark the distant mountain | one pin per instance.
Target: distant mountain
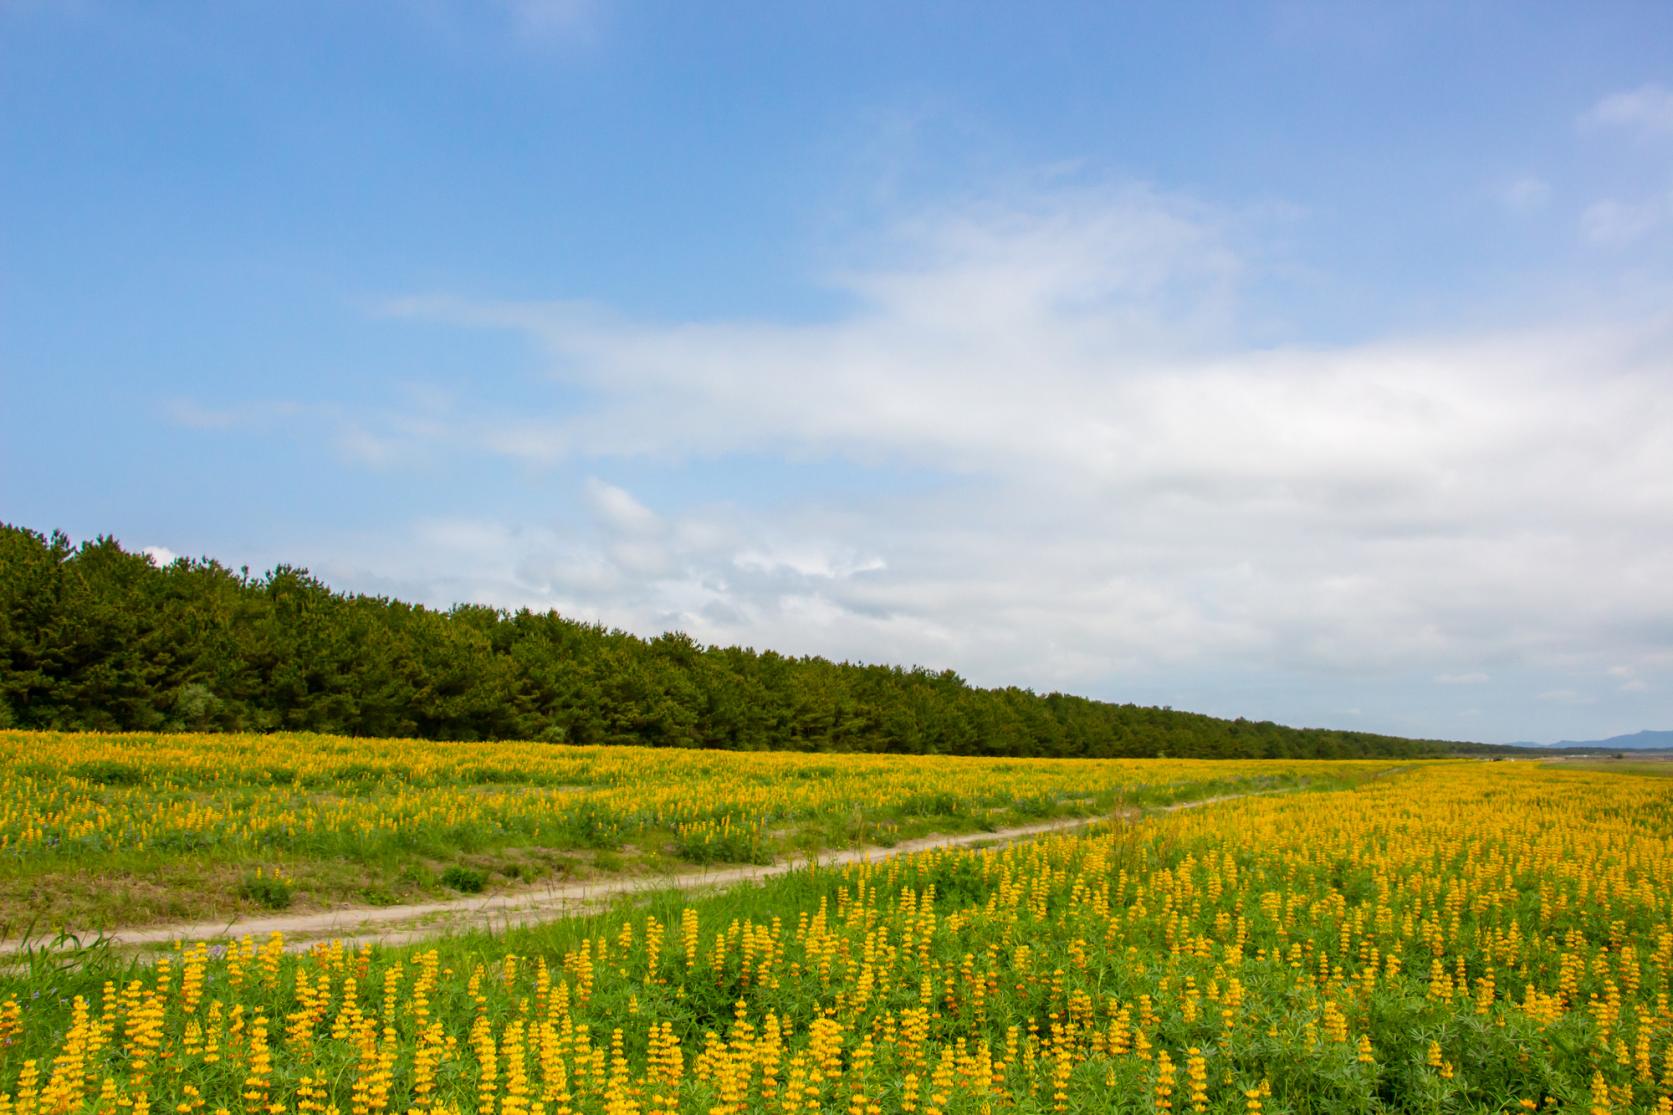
(1637, 741)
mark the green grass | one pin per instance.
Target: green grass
(271, 892)
(1500, 1055)
(466, 880)
(1647, 768)
(105, 838)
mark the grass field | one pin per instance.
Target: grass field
(1646, 765)
(98, 831)
(1460, 937)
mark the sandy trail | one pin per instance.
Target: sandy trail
(392, 925)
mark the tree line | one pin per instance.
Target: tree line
(94, 637)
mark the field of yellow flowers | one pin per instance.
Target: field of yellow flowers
(107, 830)
(1457, 937)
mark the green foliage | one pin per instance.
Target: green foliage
(714, 845)
(271, 891)
(108, 773)
(95, 638)
(466, 880)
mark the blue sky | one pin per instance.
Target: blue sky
(1310, 362)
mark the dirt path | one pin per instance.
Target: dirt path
(390, 925)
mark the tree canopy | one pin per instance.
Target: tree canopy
(94, 637)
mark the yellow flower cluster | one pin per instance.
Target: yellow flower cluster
(67, 794)
(74, 803)
(1449, 937)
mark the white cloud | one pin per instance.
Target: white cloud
(619, 511)
(380, 441)
(546, 19)
(1526, 194)
(193, 415)
(1628, 680)
(1613, 223)
(160, 555)
(1124, 495)
(807, 561)
(470, 538)
(1647, 110)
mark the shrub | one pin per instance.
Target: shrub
(268, 889)
(469, 880)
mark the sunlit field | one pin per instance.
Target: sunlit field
(1459, 937)
(1654, 766)
(98, 831)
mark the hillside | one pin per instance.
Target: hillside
(1634, 741)
(94, 637)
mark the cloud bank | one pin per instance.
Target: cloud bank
(1122, 497)
(1071, 457)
